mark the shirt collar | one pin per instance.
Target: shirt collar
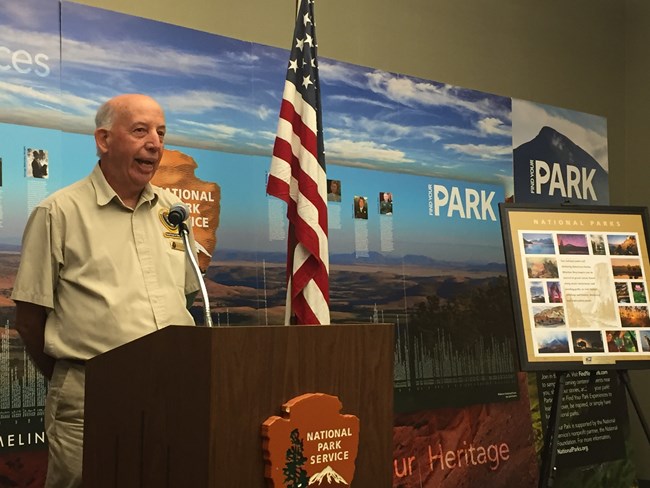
(105, 193)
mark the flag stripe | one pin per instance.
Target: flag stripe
(293, 106)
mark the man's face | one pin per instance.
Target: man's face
(134, 143)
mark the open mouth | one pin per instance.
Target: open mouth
(145, 161)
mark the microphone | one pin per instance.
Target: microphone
(178, 213)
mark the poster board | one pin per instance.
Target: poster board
(579, 283)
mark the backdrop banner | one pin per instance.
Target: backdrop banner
(430, 161)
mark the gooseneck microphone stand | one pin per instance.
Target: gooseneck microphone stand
(184, 233)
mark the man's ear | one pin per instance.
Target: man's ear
(101, 139)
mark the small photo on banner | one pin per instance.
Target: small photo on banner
(36, 163)
(385, 203)
(333, 190)
(361, 207)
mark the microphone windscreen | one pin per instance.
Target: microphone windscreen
(178, 213)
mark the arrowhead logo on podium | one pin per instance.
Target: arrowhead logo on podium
(312, 444)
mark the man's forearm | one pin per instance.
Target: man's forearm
(30, 324)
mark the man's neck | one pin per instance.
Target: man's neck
(128, 196)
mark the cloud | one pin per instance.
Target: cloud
(21, 93)
(491, 126)
(242, 57)
(214, 131)
(364, 150)
(264, 112)
(32, 14)
(420, 93)
(32, 41)
(196, 102)
(381, 128)
(361, 100)
(23, 90)
(481, 151)
(371, 128)
(199, 101)
(334, 72)
(430, 133)
(267, 135)
(141, 57)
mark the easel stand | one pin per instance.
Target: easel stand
(625, 380)
(549, 452)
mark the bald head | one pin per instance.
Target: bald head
(111, 108)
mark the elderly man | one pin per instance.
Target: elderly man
(99, 268)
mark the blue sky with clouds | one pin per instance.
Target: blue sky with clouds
(383, 131)
(221, 93)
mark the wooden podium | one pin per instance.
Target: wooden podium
(183, 407)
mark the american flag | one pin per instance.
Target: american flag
(297, 176)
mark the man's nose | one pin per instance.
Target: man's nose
(154, 142)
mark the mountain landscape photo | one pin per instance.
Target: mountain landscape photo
(555, 148)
